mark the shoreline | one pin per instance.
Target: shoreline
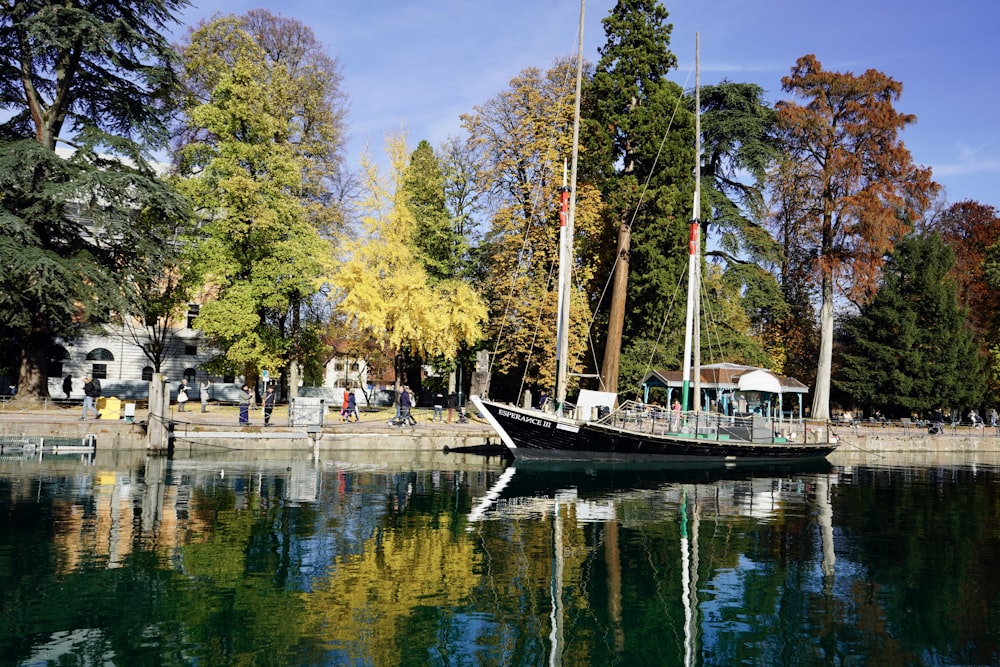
(218, 430)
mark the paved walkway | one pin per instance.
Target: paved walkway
(221, 416)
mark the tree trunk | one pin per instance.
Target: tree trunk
(616, 318)
(821, 394)
(33, 380)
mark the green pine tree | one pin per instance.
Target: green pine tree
(437, 244)
(80, 236)
(911, 348)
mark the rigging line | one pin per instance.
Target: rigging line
(681, 280)
(553, 132)
(538, 326)
(645, 188)
(713, 319)
(510, 293)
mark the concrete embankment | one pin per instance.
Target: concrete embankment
(219, 429)
(964, 444)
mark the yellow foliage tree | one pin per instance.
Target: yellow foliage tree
(524, 137)
(382, 288)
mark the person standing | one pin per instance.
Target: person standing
(68, 386)
(245, 405)
(182, 396)
(452, 404)
(438, 407)
(203, 394)
(91, 392)
(269, 398)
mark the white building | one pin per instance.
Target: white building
(113, 354)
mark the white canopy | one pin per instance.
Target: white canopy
(589, 399)
(760, 380)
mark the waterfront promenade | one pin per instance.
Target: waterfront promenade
(219, 427)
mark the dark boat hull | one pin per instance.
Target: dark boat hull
(533, 435)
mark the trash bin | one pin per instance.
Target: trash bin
(129, 413)
(112, 408)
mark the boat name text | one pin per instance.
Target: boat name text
(525, 418)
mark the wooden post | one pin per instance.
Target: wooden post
(157, 433)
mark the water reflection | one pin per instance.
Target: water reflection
(453, 560)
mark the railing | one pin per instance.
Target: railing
(658, 420)
(913, 427)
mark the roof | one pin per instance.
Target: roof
(727, 377)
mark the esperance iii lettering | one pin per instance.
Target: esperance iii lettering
(525, 418)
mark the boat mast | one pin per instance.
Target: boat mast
(692, 328)
(566, 217)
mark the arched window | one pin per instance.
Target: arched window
(189, 375)
(147, 374)
(100, 354)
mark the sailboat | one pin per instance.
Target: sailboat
(598, 430)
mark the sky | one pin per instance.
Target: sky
(415, 66)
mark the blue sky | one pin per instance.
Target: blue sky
(415, 66)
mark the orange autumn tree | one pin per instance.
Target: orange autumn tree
(848, 183)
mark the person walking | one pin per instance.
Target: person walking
(345, 405)
(182, 396)
(245, 405)
(452, 404)
(405, 403)
(91, 392)
(352, 407)
(68, 386)
(269, 398)
(203, 394)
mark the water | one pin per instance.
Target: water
(465, 561)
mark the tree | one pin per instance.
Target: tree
(643, 171)
(848, 185)
(258, 252)
(436, 242)
(740, 146)
(910, 348)
(309, 97)
(382, 287)
(165, 296)
(522, 137)
(75, 231)
(970, 228)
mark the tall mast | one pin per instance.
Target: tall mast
(692, 328)
(566, 218)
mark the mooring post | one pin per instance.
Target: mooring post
(159, 396)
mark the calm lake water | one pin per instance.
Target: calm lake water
(458, 560)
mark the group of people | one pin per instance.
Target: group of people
(348, 411)
(440, 402)
(349, 408)
(182, 395)
(246, 399)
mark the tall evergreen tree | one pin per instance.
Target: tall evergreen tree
(437, 244)
(644, 172)
(78, 233)
(911, 348)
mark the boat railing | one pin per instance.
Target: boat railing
(658, 420)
